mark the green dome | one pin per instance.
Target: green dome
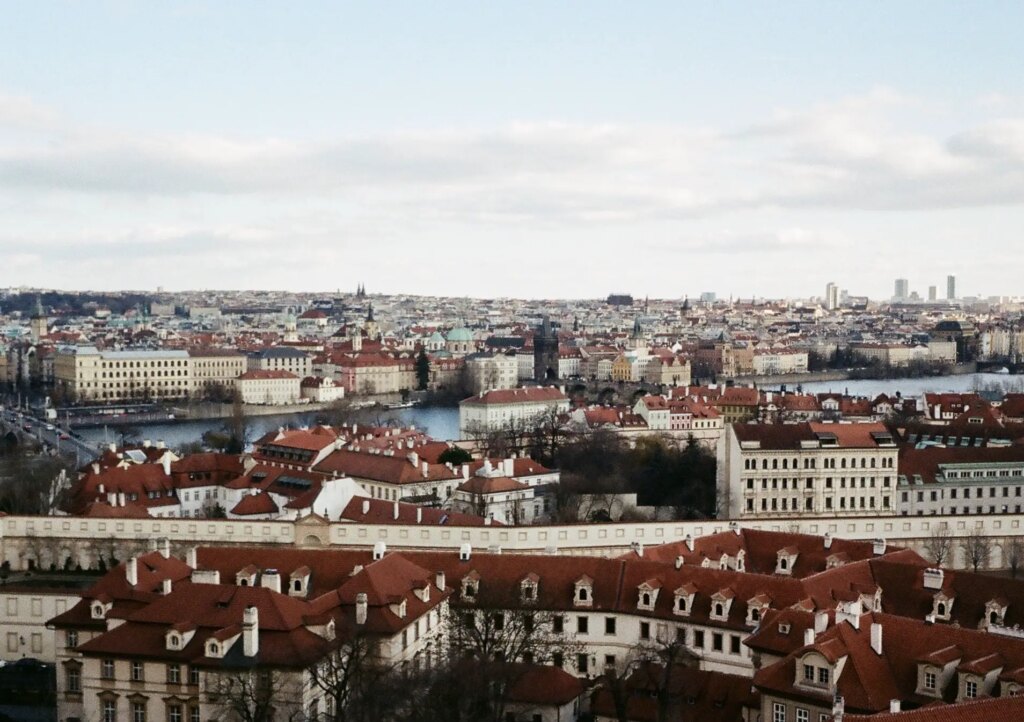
(460, 335)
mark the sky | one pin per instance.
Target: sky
(525, 149)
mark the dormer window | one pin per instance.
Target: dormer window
(647, 595)
(683, 602)
(995, 612)
(470, 586)
(583, 592)
(174, 641)
(785, 560)
(720, 605)
(296, 585)
(754, 615)
(528, 588)
(942, 606)
(719, 610)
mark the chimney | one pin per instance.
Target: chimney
(113, 447)
(165, 548)
(809, 636)
(131, 571)
(894, 706)
(876, 637)
(165, 587)
(878, 547)
(465, 471)
(361, 608)
(426, 469)
(828, 540)
(689, 542)
(379, 549)
(838, 708)
(933, 578)
(395, 512)
(414, 458)
(439, 581)
(509, 467)
(166, 461)
(146, 443)
(271, 579)
(679, 562)
(465, 552)
(734, 527)
(160, 444)
(96, 470)
(366, 506)
(192, 557)
(419, 515)
(120, 498)
(820, 622)
(250, 631)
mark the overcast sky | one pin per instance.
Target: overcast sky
(548, 149)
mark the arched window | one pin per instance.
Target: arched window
(681, 604)
(755, 614)
(941, 609)
(583, 594)
(719, 610)
(645, 599)
(993, 618)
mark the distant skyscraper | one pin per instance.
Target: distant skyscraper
(902, 288)
(831, 296)
(950, 287)
(933, 293)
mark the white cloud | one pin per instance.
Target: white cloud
(793, 184)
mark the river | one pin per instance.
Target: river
(443, 422)
(439, 422)
(916, 387)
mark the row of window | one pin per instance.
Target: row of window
(787, 504)
(136, 673)
(811, 463)
(979, 493)
(786, 483)
(175, 712)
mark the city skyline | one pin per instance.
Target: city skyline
(223, 146)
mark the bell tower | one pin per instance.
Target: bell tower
(545, 352)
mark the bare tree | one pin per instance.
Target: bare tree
(488, 642)
(1014, 547)
(650, 669)
(978, 550)
(939, 545)
(253, 695)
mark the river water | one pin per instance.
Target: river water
(439, 422)
(443, 422)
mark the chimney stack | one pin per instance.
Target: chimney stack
(131, 571)
(838, 708)
(809, 636)
(396, 510)
(876, 638)
(192, 557)
(689, 542)
(878, 547)
(271, 579)
(820, 622)
(828, 540)
(366, 506)
(465, 552)
(439, 581)
(895, 706)
(361, 608)
(250, 632)
(419, 515)
(679, 562)
(166, 461)
(165, 548)
(379, 549)
(165, 587)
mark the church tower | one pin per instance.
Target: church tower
(545, 352)
(370, 327)
(38, 324)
